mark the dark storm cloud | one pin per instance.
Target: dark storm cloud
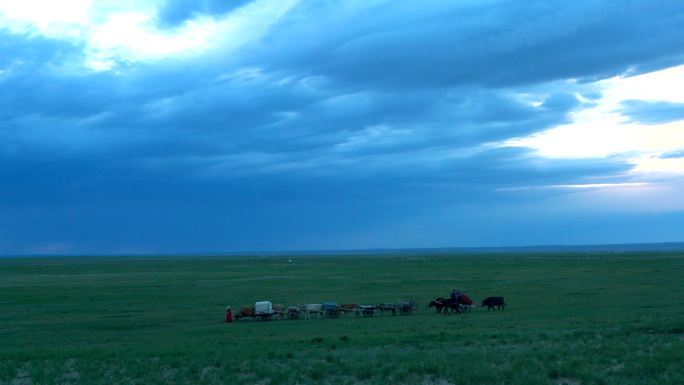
(33, 51)
(652, 112)
(492, 43)
(102, 205)
(24, 62)
(345, 120)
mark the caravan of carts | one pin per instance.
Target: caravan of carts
(266, 310)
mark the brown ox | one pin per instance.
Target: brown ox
(346, 308)
(245, 312)
(279, 310)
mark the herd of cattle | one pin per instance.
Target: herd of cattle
(463, 303)
(267, 310)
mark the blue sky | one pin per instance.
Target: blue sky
(195, 126)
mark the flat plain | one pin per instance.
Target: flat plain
(571, 319)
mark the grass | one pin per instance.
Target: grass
(573, 319)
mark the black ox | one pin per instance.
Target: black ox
(443, 305)
(492, 302)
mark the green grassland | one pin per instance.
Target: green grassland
(573, 319)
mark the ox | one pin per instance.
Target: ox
(492, 302)
(438, 304)
(293, 312)
(279, 310)
(383, 307)
(312, 308)
(367, 310)
(443, 305)
(407, 307)
(245, 312)
(453, 305)
(346, 308)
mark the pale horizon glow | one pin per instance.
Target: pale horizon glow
(585, 186)
(600, 131)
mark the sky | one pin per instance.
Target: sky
(268, 125)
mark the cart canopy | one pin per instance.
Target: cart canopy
(263, 307)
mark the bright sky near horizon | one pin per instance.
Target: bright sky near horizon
(181, 126)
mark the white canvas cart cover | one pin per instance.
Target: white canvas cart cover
(263, 307)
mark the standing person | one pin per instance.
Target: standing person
(229, 314)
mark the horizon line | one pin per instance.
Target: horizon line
(605, 247)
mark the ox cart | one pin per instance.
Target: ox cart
(367, 310)
(403, 307)
(294, 312)
(465, 303)
(330, 309)
(407, 307)
(356, 309)
(264, 310)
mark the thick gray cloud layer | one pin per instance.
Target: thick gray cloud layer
(348, 125)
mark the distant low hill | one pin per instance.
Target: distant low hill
(605, 248)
